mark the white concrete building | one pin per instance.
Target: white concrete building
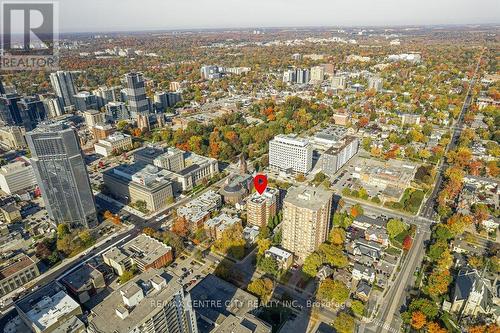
(375, 83)
(16, 177)
(339, 82)
(284, 258)
(317, 74)
(115, 142)
(290, 153)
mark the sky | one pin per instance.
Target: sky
(137, 15)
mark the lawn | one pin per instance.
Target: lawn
(393, 251)
(410, 201)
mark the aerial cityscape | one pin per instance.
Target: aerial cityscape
(332, 174)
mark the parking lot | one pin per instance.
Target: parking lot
(188, 270)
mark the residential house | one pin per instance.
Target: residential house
(378, 235)
(283, 257)
(324, 272)
(360, 272)
(363, 291)
(368, 248)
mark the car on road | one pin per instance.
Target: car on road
(173, 265)
(159, 218)
(184, 269)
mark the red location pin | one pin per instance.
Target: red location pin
(260, 183)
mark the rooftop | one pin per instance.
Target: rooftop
(143, 248)
(340, 145)
(14, 167)
(146, 248)
(225, 299)
(279, 252)
(22, 263)
(117, 136)
(291, 139)
(104, 315)
(141, 174)
(47, 305)
(149, 153)
(199, 207)
(308, 197)
(49, 309)
(80, 277)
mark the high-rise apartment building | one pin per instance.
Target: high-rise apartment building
(175, 86)
(375, 83)
(210, 72)
(260, 208)
(61, 174)
(53, 106)
(21, 111)
(136, 95)
(317, 74)
(32, 112)
(85, 101)
(105, 95)
(306, 219)
(9, 109)
(303, 76)
(290, 153)
(339, 82)
(64, 86)
(116, 111)
(289, 76)
(165, 100)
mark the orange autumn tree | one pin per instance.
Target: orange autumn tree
(407, 242)
(491, 328)
(356, 210)
(418, 320)
(148, 231)
(438, 282)
(433, 327)
(180, 227)
(363, 121)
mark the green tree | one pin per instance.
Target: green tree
(333, 290)
(62, 230)
(319, 177)
(337, 236)
(262, 288)
(65, 245)
(333, 255)
(269, 265)
(126, 276)
(311, 264)
(426, 306)
(358, 308)
(86, 237)
(395, 227)
(231, 242)
(121, 125)
(344, 323)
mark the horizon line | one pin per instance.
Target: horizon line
(207, 29)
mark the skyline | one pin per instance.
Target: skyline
(106, 16)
